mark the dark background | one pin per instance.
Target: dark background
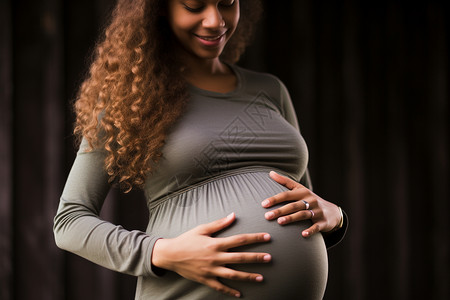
(369, 80)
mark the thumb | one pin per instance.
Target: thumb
(214, 226)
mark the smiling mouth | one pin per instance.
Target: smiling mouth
(210, 38)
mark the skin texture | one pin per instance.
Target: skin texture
(326, 214)
(196, 255)
(202, 29)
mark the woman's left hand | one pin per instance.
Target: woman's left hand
(303, 204)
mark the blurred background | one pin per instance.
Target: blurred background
(369, 80)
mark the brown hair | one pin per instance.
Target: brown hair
(134, 92)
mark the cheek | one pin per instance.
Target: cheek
(180, 27)
(180, 22)
(184, 24)
(232, 18)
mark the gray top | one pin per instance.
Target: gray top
(216, 161)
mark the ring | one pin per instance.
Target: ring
(312, 213)
(306, 204)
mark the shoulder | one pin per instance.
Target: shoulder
(266, 85)
(261, 80)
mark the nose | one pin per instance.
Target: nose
(213, 18)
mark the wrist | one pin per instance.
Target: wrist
(157, 259)
(341, 220)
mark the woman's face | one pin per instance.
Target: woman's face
(203, 27)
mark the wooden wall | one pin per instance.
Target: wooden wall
(369, 81)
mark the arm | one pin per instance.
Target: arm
(194, 255)
(78, 228)
(326, 214)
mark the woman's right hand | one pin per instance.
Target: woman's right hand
(197, 256)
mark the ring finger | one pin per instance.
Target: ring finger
(290, 208)
(297, 216)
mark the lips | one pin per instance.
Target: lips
(210, 38)
(211, 41)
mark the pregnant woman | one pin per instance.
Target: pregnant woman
(215, 147)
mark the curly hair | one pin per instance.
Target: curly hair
(134, 93)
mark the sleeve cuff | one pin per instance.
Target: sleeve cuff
(335, 237)
(150, 268)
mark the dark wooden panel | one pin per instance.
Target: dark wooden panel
(38, 132)
(370, 85)
(6, 151)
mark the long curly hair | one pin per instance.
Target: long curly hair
(134, 93)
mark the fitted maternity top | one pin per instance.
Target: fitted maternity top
(216, 161)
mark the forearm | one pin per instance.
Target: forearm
(79, 229)
(83, 233)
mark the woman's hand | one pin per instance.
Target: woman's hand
(197, 256)
(303, 204)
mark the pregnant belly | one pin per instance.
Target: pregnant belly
(298, 269)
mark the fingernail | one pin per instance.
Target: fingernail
(237, 295)
(267, 257)
(267, 237)
(281, 220)
(259, 278)
(265, 203)
(269, 215)
(305, 233)
(230, 216)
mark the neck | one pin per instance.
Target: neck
(196, 66)
(208, 74)
(204, 67)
